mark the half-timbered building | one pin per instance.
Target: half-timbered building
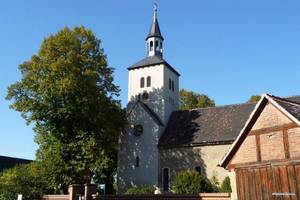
(266, 154)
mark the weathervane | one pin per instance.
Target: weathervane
(155, 8)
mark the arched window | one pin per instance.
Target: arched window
(149, 81)
(166, 179)
(173, 86)
(137, 161)
(170, 84)
(156, 46)
(142, 82)
(151, 46)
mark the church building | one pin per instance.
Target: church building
(160, 140)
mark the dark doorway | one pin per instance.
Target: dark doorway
(166, 179)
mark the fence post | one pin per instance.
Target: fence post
(74, 192)
(89, 190)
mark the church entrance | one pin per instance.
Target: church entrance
(166, 179)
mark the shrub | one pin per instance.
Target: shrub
(226, 186)
(187, 182)
(209, 185)
(22, 179)
(141, 190)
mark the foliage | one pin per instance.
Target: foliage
(226, 186)
(254, 99)
(67, 92)
(187, 182)
(191, 182)
(191, 100)
(141, 190)
(22, 179)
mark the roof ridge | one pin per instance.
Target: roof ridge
(221, 106)
(285, 99)
(15, 158)
(240, 104)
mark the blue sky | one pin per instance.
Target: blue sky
(228, 50)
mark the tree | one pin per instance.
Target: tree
(254, 99)
(67, 92)
(191, 100)
(226, 186)
(22, 179)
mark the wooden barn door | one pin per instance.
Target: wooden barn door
(269, 183)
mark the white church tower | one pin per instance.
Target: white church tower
(153, 94)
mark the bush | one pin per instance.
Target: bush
(226, 186)
(188, 182)
(191, 182)
(22, 179)
(209, 185)
(141, 190)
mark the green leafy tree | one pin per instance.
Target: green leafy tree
(226, 185)
(191, 100)
(141, 190)
(254, 99)
(22, 179)
(67, 92)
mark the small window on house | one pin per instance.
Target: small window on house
(151, 46)
(142, 82)
(149, 81)
(137, 161)
(198, 169)
(170, 83)
(173, 86)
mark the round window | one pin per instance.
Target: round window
(137, 130)
(145, 96)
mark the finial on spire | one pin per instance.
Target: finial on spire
(155, 10)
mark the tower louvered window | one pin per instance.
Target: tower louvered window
(149, 81)
(142, 82)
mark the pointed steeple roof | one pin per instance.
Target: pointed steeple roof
(154, 29)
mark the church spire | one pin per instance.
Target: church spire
(154, 38)
(154, 29)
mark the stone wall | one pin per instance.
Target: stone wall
(188, 158)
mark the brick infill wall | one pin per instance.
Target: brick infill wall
(75, 191)
(55, 197)
(202, 196)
